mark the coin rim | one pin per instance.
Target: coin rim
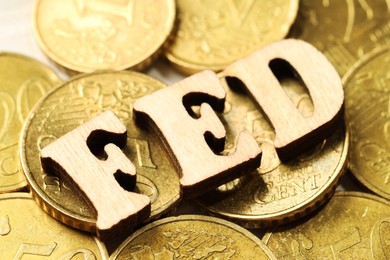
(345, 80)
(199, 218)
(140, 64)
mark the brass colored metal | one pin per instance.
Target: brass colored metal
(27, 232)
(192, 237)
(212, 34)
(367, 107)
(277, 192)
(343, 30)
(74, 103)
(91, 35)
(353, 225)
(23, 81)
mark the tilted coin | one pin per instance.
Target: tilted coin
(26, 231)
(353, 225)
(212, 34)
(192, 237)
(277, 192)
(72, 104)
(367, 107)
(88, 35)
(23, 81)
(343, 30)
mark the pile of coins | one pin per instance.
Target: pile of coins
(282, 210)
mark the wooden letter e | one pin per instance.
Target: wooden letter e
(193, 142)
(73, 156)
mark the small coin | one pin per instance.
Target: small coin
(277, 192)
(23, 81)
(89, 35)
(26, 231)
(192, 237)
(212, 34)
(367, 106)
(343, 30)
(353, 225)
(72, 104)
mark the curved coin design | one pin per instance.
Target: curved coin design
(91, 35)
(352, 225)
(26, 231)
(192, 237)
(212, 34)
(23, 81)
(343, 30)
(277, 192)
(367, 107)
(74, 103)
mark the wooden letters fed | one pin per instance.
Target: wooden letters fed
(194, 142)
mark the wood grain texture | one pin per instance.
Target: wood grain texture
(74, 157)
(193, 142)
(294, 132)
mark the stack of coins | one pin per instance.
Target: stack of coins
(283, 210)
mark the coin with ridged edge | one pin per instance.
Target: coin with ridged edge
(74, 103)
(353, 225)
(277, 192)
(214, 33)
(23, 81)
(90, 35)
(367, 108)
(192, 237)
(27, 232)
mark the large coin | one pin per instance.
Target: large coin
(192, 237)
(23, 81)
(27, 232)
(90, 35)
(367, 105)
(352, 225)
(72, 104)
(277, 192)
(212, 34)
(343, 30)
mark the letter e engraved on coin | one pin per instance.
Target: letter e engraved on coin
(74, 156)
(193, 142)
(294, 132)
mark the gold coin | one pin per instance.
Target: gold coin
(23, 82)
(367, 106)
(72, 104)
(343, 30)
(27, 232)
(353, 225)
(90, 35)
(277, 192)
(212, 34)
(192, 237)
